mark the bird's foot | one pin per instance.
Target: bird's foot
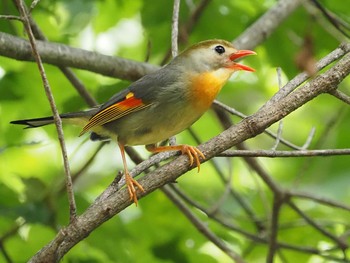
(131, 183)
(192, 152)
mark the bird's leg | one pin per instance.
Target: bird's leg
(129, 181)
(192, 152)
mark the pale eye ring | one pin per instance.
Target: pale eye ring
(219, 49)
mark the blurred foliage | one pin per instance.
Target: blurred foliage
(33, 203)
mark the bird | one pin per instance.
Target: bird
(161, 104)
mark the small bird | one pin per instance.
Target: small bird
(161, 104)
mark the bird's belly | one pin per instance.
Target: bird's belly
(152, 135)
(152, 126)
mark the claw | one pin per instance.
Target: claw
(131, 183)
(193, 154)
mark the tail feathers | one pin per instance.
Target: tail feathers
(78, 118)
(33, 123)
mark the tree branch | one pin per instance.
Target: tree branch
(266, 24)
(65, 56)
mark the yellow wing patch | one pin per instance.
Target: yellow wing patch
(115, 111)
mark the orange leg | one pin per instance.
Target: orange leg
(130, 182)
(192, 152)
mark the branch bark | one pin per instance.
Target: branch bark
(65, 56)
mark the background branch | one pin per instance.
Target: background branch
(65, 56)
(266, 24)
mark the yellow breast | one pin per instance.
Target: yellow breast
(206, 86)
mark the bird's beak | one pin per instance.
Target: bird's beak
(240, 54)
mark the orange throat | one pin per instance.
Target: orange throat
(206, 86)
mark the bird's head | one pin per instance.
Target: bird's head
(211, 55)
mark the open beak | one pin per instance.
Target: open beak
(241, 54)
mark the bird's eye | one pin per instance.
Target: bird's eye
(219, 49)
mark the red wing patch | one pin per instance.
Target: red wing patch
(115, 111)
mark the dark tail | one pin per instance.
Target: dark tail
(74, 116)
(33, 123)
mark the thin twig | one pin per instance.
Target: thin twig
(341, 243)
(309, 139)
(175, 28)
(8, 234)
(195, 16)
(11, 17)
(214, 208)
(5, 254)
(241, 115)
(201, 227)
(341, 95)
(280, 123)
(273, 244)
(174, 42)
(58, 121)
(332, 19)
(33, 5)
(188, 27)
(318, 199)
(284, 154)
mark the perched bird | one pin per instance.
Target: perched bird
(161, 104)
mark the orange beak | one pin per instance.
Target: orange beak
(240, 54)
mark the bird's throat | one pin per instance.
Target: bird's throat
(206, 86)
